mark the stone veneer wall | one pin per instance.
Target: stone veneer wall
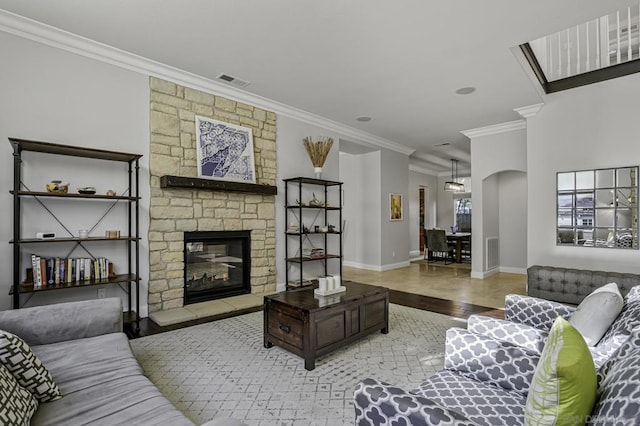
(174, 211)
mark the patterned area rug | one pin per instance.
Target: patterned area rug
(222, 369)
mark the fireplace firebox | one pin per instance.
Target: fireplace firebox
(217, 264)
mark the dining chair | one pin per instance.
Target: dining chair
(439, 249)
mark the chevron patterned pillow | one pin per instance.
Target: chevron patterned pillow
(17, 404)
(24, 365)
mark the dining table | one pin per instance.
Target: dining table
(458, 238)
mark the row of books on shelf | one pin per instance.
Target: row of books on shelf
(54, 270)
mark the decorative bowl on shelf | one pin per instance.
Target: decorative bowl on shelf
(58, 186)
(87, 190)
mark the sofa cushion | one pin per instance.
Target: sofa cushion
(619, 389)
(102, 384)
(596, 313)
(25, 366)
(480, 402)
(564, 384)
(17, 404)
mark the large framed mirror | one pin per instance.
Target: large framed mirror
(598, 208)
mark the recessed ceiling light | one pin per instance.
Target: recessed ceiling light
(363, 119)
(465, 90)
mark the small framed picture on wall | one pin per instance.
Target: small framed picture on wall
(395, 207)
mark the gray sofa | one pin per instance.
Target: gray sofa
(84, 349)
(572, 285)
(489, 367)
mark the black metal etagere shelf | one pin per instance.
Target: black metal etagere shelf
(131, 279)
(323, 211)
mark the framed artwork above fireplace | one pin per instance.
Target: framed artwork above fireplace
(224, 151)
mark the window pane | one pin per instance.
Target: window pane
(604, 217)
(624, 239)
(604, 178)
(625, 176)
(584, 180)
(566, 236)
(565, 217)
(565, 200)
(623, 197)
(584, 200)
(623, 219)
(604, 198)
(604, 238)
(566, 181)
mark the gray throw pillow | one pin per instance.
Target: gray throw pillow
(595, 314)
(18, 358)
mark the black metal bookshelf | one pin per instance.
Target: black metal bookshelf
(130, 281)
(323, 210)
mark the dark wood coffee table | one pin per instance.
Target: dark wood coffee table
(311, 326)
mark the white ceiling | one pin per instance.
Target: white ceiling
(398, 62)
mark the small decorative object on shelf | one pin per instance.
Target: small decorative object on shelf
(111, 193)
(314, 202)
(83, 233)
(58, 186)
(318, 152)
(112, 234)
(90, 190)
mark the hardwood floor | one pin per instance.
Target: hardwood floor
(426, 303)
(447, 290)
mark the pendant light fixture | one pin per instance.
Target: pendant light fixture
(453, 185)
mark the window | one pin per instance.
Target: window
(598, 208)
(462, 209)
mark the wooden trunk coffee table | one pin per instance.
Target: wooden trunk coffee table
(311, 326)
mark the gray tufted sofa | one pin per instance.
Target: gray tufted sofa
(572, 285)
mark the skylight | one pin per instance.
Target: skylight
(597, 50)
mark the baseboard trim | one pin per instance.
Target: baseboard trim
(394, 266)
(484, 274)
(509, 270)
(377, 268)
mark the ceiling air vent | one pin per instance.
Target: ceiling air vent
(233, 80)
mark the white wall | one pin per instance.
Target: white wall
(361, 175)
(394, 242)
(512, 211)
(485, 162)
(445, 216)
(55, 96)
(594, 126)
(416, 181)
(293, 161)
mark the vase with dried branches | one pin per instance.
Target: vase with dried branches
(318, 152)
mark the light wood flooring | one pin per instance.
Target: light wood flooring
(451, 282)
(448, 290)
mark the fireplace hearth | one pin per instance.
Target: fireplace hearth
(217, 264)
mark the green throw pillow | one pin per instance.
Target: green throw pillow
(563, 390)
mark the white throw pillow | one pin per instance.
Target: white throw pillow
(595, 314)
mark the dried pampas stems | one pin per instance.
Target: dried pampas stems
(318, 151)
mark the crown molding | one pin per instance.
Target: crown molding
(51, 36)
(423, 170)
(495, 128)
(529, 110)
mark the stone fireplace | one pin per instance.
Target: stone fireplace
(217, 264)
(175, 211)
